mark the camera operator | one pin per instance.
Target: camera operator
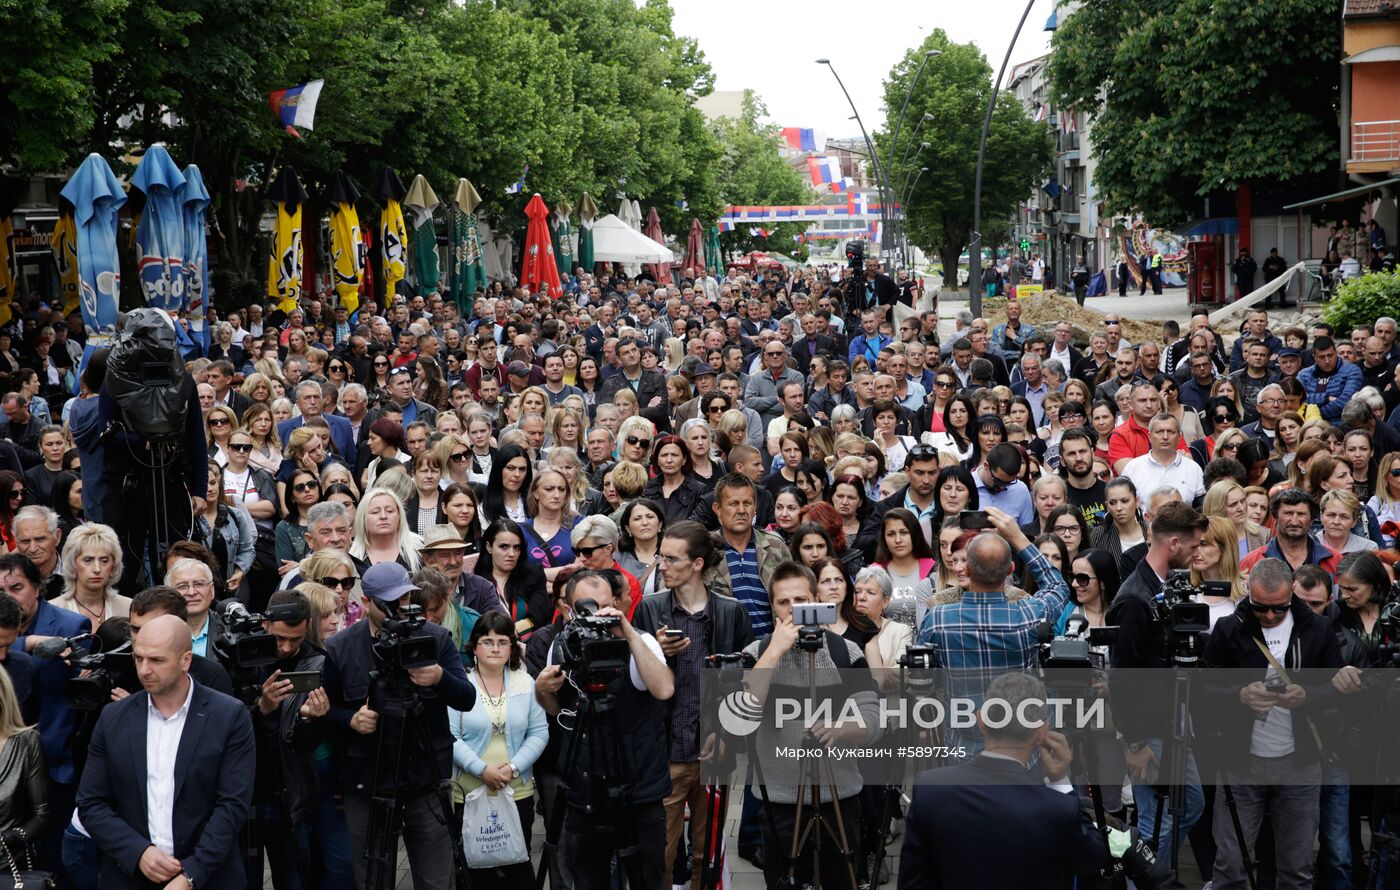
(41, 622)
(1175, 538)
(350, 659)
(287, 733)
(783, 668)
(692, 622)
(640, 694)
(961, 816)
(1270, 750)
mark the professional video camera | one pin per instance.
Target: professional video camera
(1389, 627)
(399, 646)
(1080, 646)
(588, 649)
(103, 672)
(244, 644)
(855, 258)
(1183, 619)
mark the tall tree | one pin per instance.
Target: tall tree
(954, 91)
(1188, 97)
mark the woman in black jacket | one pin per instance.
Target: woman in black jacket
(518, 580)
(671, 486)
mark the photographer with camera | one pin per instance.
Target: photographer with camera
(1175, 538)
(1270, 749)
(692, 622)
(638, 685)
(785, 663)
(287, 733)
(353, 680)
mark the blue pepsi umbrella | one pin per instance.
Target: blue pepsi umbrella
(96, 196)
(160, 236)
(194, 203)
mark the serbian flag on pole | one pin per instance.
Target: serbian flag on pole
(802, 139)
(825, 170)
(296, 106)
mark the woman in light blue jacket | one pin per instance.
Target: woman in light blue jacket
(499, 740)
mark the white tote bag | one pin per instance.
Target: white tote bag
(491, 832)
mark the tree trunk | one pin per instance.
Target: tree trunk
(949, 249)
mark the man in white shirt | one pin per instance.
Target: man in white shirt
(169, 777)
(1164, 465)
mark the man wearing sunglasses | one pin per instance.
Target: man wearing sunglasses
(1269, 749)
(999, 485)
(763, 392)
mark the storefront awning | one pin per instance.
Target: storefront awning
(1346, 193)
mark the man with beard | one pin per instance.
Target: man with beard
(1294, 512)
(1083, 489)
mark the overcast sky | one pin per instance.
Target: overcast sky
(769, 46)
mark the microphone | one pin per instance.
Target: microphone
(56, 646)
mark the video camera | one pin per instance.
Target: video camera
(588, 649)
(1080, 646)
(105, 670)
(1182, 619)
(399, 646)
(244, 643)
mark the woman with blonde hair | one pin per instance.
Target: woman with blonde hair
(625, 401)
(382, 533)
(1228, 498)
(449, 423)
(258, 387)
(282, 409)
(1218, 560)
(267, 445)
(455, 456)
(1338, 511)
(327, 614)
(269, 368)
(337, 571)
(219, 424)
(552, 518)
(567, 429)
(586, 499)
(91, 566)
(634, 438)
(673, 353)
(534, 400)
(1386, 501)
(732, 429)
(24, 806)
(1298, 470)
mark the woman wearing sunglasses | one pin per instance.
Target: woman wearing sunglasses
(379, 367)
(1188, 420)
(302, 493)
(634, 438)
(1221, 416)
(339, 372)
(1385, 503)
(930, 416)
(219, 424)
(226, 529)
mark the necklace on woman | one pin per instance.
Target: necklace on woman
(97, 617)
(496, 704)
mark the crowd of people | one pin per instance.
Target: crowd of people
(690, 461)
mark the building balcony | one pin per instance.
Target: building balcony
(1375, 142)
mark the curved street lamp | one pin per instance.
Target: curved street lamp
(881, 183)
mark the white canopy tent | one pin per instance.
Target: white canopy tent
(614, 241)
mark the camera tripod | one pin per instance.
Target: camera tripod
(611, 813)
(399, 706)
(818, 826)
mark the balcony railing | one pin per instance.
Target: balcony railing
(1375, 141)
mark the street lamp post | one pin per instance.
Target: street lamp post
(974, 252)
(894, 142)
(881, 184)
(905, 191)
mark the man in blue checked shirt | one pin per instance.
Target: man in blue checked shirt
(983, 636)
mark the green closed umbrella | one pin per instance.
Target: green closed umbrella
(587, 212)
(468, 274)
(420, 203)
(563, 232)
(714, 254)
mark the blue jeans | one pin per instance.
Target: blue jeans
(79, 857)
(1146, 801)
(1334, 857)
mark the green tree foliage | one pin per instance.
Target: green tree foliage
(1195, 96)
(1360, 301)
(954, 91)
(751, 171)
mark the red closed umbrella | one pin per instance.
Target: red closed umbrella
(695, 249)
(537, 265)
(660, 271)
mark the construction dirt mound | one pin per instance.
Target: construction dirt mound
(1051, 308)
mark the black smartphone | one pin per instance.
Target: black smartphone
(673, 634)
(303, 681)
(1216, 588)
(973, 520)
(1276, 685)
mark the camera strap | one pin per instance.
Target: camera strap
(1284, 674)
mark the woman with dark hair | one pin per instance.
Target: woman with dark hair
(957, 434)
(834, 585)
(811, 480)
(386, 447)
(498, 742)
(953, 492)
(792, 448)
(1125, 528)
(13, 487)
(518, 580)
(302, 493)
(902, 550)
(1221, 415)
(589, 380)
(459, 509)
(852, 504)
(424, 508)
(639, 531)
(1067, 523)
(1364, 586)
(224, 527)
(1103, 419)
(1093, 583)
(787, 512)
(810, 543)
(504, 496)
(67, 501)
(990, 431)
(671, 485)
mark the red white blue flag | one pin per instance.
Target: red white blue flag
(804, 139)
(296, 106)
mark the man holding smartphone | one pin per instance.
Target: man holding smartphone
(287, 733)
(782, 670)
